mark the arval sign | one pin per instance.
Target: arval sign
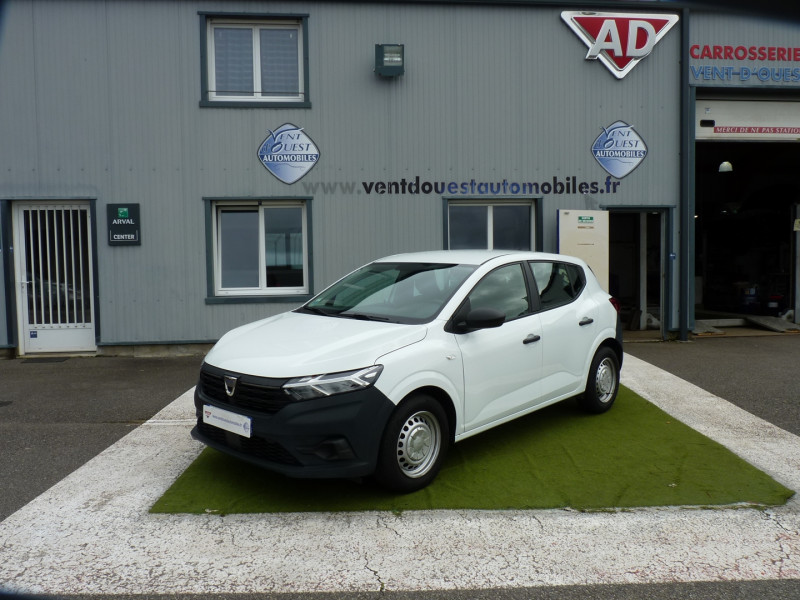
(619, 40)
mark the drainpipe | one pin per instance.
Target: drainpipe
(687, 201)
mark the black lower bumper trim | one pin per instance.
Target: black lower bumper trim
(333, 437)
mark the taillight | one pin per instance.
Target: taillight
(615, 303)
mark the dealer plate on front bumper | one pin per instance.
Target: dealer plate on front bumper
(227, 420)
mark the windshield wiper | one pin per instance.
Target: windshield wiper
(363, 317)
(319, 311)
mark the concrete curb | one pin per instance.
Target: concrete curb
(91, 533)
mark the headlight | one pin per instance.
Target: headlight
(317, 386)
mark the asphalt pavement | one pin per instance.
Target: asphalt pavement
(759, 373)
(57, 414)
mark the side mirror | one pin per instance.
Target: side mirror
(480, 318)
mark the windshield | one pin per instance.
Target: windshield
(392, 292)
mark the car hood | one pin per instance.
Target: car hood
(295, 344)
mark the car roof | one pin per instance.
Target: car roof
(473, 257)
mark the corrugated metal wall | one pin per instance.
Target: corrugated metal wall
(101, 100)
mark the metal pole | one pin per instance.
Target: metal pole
(796, 235)
(686, 252)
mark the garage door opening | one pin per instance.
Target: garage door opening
(746, 199)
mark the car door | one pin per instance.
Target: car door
(501, 365)
(568, 321)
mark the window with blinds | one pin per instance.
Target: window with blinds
(255, 62)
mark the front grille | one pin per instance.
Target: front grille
(254, 393)
(255, 446)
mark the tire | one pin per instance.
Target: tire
(413, 446)
(602, 384)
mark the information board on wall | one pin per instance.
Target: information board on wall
(584, 233)
(123, 225)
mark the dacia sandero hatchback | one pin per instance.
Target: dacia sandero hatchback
(380, 373)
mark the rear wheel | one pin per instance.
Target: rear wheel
(602, 383)
(413, 446)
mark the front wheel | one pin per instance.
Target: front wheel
(413, 446)
(602, 383)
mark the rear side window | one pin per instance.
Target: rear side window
(558, 283)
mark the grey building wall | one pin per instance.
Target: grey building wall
(101, 100)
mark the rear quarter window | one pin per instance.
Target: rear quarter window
(557, 283)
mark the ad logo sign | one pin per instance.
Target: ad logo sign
(619, 149)
(619, 40)
(288, 153)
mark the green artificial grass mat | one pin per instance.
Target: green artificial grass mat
(635, 455)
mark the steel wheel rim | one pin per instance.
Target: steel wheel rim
(418, 444)
(605, 380)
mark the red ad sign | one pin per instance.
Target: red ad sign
(619, 40)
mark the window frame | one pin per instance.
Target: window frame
(533, 204)
(217, 294)
(255, 22)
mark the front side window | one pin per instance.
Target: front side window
(260, 249)
(255, 62)
(503, 289)
(489, 226)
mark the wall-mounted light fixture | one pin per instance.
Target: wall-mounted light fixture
(390, 60)
(725, 167)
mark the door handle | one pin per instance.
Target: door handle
(586, 321)
(531, 338)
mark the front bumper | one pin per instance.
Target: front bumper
(337, 436)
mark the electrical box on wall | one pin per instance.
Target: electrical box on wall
(584, 233)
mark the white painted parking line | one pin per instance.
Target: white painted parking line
(92, 533)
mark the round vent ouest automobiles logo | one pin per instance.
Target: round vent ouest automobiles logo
(288, 153)
(619, 149)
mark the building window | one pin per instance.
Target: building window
(255, 62)
(260, 249)
(500, 226)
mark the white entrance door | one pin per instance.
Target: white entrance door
(53, 261)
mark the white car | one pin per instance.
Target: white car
(382, 371)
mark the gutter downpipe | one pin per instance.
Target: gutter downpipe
(687, 199)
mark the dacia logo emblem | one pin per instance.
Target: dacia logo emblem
(230, 385)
